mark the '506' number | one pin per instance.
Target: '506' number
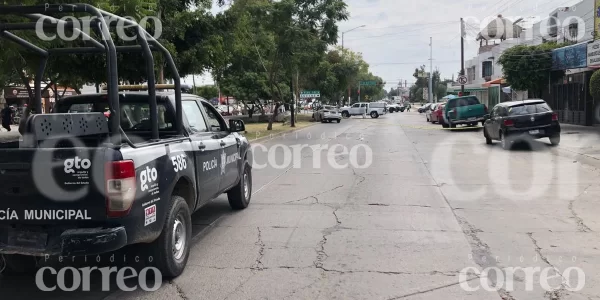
(179, 162)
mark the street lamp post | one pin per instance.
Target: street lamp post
(344, 55)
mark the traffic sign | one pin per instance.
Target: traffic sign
(310, 94)
(368, 82)
(422, 74)
(462, 79)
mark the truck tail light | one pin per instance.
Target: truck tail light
(452, 114)
(509, 123)
(554, 117)
(120, 187)
(485, 108)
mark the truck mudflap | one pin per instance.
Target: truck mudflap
(70, 242)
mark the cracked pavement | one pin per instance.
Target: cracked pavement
(432, 203)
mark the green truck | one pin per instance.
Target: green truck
(464, 110)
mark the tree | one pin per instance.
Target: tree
(207, 91)
(595, 85)
(528, 67)
(296, 32)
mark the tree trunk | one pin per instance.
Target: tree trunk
(250, 112)
(273, 116)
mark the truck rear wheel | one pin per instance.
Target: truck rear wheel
(239, 196)
(172, 248)
(374, 115)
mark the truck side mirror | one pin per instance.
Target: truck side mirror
(236, 125)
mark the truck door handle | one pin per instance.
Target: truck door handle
(223, 144)
(201, 146)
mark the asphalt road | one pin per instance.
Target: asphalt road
(401, 220)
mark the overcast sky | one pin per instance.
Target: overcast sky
(395, 39)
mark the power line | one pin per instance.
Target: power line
(410, 63)
(402, 26)
(391, 34)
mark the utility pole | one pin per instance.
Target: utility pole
(292, 106)
(462, 53)
(430, 69)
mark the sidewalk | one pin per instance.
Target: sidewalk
(581, 143)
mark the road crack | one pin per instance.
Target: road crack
(315, 195)
(431, 290)
(557, 293)
(581, 227)
(258, 265)
(180, 293)
(360, 177)
(321, 254)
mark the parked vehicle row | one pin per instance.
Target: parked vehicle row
(508, 122)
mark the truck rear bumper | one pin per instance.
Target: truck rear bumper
(467, 121)
(71, 242)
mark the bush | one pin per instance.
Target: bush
(595, 85)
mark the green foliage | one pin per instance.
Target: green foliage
(254, 50)
(528, 67)
(595, 85)
(207, 92)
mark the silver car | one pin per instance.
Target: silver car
(328, 114)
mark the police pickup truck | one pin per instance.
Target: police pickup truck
(104, 171)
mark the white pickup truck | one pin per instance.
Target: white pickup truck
(374, 109)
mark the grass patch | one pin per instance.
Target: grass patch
(259, 130)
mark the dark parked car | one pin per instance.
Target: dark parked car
(509, 122)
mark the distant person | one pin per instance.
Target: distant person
(7, 117)
(407, 106)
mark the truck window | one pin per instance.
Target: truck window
(528, 109)
(194, 115)
(467, 101)
(135, 116)
(215, 121)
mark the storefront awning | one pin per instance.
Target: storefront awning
(495, 81)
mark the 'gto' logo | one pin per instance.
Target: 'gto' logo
(147, 176)
(78, 163)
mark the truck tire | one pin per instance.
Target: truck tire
(16, 264)
(239, 196)
(172, 248)
(346, 114)
(504, 143)
(488, 139)
(374, 115)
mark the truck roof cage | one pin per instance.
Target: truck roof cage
(146, 44)
(143, 87)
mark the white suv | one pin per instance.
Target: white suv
(374, 109)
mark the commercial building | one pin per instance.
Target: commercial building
(569, 93)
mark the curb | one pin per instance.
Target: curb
(281, 133)
(579, 157)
